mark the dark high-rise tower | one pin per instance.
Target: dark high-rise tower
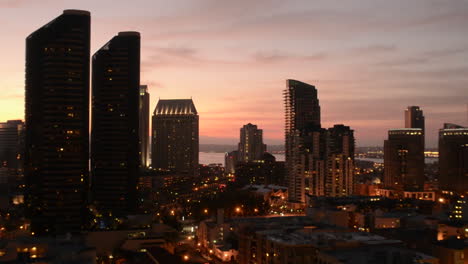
(251, 145)
(11, 144)
(340, 161)
(115, 158)
(144, 125)
(414, 118)
(453, 158)
(302, 135)
(404, 159)
(57, 109)
(175, 136)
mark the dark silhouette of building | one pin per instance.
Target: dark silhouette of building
(340, 161)
(57, 122)
(144, 125)
(230, 161)
(414, 118)
(453, 158)
(11, 144)
(404, 159)
(115, 158)
(303, 134)
(264, 171)
(251, 145)
(175, 136)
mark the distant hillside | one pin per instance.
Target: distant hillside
(227, 148)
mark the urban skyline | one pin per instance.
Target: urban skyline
(174, 49)
(94, 175)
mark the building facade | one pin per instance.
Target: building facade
(144, 110)
(302, 126)
(340, 161)
(57, 121)
(251, 145)
(230, 161)
(11, 144)
(175, 136)
(115, 148)
(404, 159)
(453, 158)
(414, 118)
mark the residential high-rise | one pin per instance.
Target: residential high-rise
(11, 144)
(175, 136)
(404, 159)
(302, 136)
(340, 161)
(414, 118)
(230, 161)
(115, 157)
(453, 158)
(57, 122)
(144, 125)
(251, 145)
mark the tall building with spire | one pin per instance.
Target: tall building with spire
(303, 138)
(57, 121)
(175, 136)
(144, 118)
(115, 148)
(319, 162)
(251, 145)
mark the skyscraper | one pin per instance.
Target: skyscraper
(144, 125)
(453, 158)
(302, 136)
(414, 118)
(251, 145)
(115, 158)
(404, 159)
(175, 136)
(340, 161)
(57, 109)
(11, 144)
(230, 161)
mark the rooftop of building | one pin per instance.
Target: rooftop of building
(451, 126)
(327, 237)
(175, 107)
(76, 12)
(264, 188)
(453, 243)
(129, 34)
(460, 129)
(371, 255)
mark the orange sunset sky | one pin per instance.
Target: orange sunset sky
(369, 59)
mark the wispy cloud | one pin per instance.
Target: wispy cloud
(277, 57)
(375, 49)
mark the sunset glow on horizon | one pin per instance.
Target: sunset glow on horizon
(233, 59)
